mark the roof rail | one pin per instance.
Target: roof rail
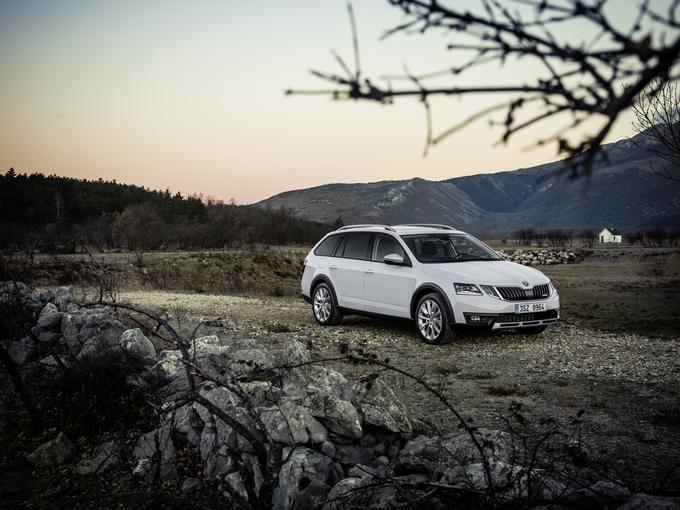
(427, 225)
(367, 225)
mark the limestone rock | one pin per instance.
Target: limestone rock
(292, 424)
(105, 457)
(137, 345)
(305, 480)
(52, 453)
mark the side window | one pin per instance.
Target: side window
(327, 247)
(386, 245)
(357, 246)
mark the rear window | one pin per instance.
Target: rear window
(327, 246)
(357, 246)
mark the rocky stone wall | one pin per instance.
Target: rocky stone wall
(336, 440)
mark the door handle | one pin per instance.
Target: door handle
(332, 267)
(369, 270)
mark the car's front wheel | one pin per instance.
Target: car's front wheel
(324, 306)
(432, 320)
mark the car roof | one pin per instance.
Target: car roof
(402, 229)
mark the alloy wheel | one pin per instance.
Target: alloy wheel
(430, 319)
(322, 304)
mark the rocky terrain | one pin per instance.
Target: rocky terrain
(251, 414)
(541, 257)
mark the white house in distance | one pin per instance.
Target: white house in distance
(609, 235)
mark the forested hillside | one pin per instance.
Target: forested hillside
(60, 213)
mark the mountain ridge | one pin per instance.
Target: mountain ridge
(624, 189)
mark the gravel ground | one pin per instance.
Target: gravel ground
(626, 385)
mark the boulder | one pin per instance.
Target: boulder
(105, 457)
(71, 324)
(248, 360)
(169, 364)
(185, 421)
(292, 424)
(339, 416)
(599, 495)
(52, 453)
(351, 455)
(100, 324)
(262, 393)
(142, 469)
(156, 446)
(229, 403)
(190, 485)
(295, 352)
(318, 380)
(41, 296)
(215, 452)
(235, 486)
(63, 298)
(305, 479)
(137, 345)
(208, 344)
(648, 502)
(22, 351)
(380, 406)
(50, 317)
(454, 450)
(48, 337)
(341, 493)
(508, 480)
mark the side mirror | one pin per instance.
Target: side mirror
(394, 259)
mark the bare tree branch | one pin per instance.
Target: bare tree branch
(597, 78)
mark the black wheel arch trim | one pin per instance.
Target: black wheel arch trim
(436, 289)
(322, 279)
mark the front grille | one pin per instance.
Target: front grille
(526, 317)
(519, 294)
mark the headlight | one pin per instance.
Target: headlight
(467, 289)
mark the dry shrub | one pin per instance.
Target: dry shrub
(95, 395)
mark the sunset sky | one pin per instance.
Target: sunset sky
(188, 95)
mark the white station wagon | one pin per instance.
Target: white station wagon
(434, 274)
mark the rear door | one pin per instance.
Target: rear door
(348, 267)
(388, 288)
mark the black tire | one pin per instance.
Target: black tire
(427, 326)
(324, 305)
(534, 330)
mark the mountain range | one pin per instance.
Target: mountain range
(626, 189)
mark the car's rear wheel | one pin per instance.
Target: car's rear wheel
(324, 306)
(432, 320)
(534, 330)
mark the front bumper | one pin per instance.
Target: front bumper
(500, 314)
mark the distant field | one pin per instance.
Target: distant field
(630, 289)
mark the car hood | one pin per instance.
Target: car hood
(495, 272)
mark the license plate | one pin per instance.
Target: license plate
(530, 307)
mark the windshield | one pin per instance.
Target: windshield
(442, 248)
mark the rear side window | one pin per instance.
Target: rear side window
(357, 246)
(327, 246)
(387, 245)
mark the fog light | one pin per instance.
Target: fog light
(475, 318)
